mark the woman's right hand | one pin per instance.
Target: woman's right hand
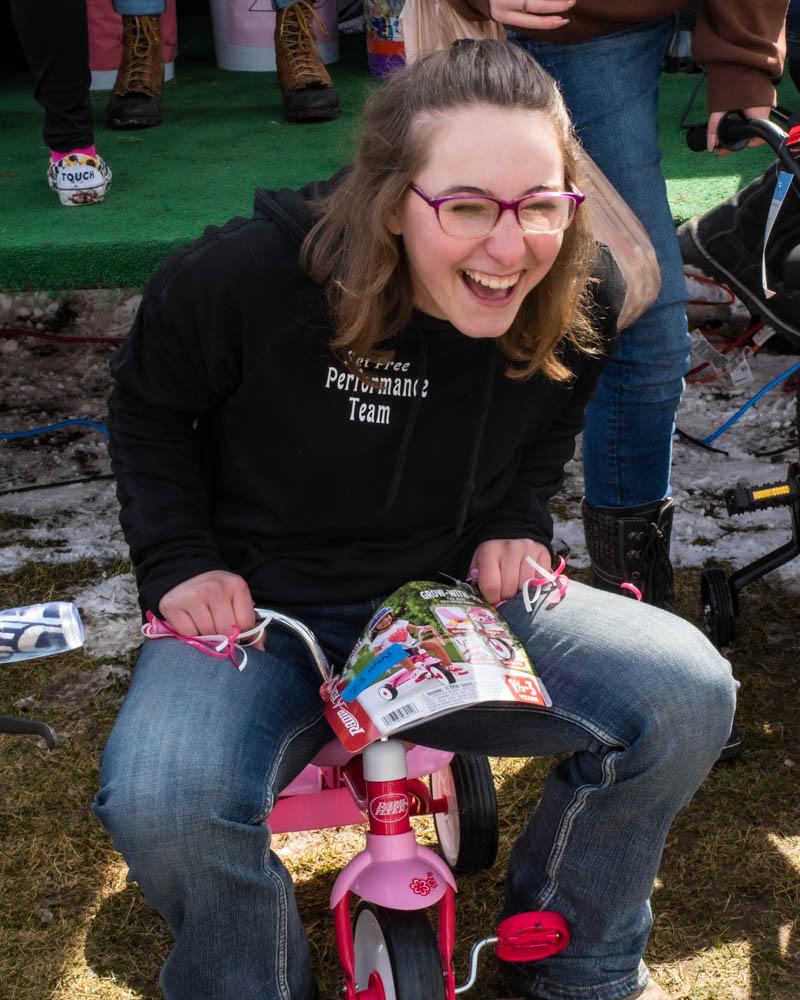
(534, 14)
(209, 604)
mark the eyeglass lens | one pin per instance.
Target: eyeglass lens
(476, 216)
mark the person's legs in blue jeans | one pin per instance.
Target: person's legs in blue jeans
(645, 702)
(199, 752)
(627, 443)
(191, 770)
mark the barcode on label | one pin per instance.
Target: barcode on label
(399, 713)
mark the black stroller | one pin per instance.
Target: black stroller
(720, 591)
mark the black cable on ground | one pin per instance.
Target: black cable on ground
(61, 338)
(60, 482)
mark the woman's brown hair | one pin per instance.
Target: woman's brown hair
(352, 253)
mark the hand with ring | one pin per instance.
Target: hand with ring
(538, 14)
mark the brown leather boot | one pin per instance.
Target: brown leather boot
(308, 91)
(136, 98)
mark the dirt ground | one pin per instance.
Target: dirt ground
(57, 498)
(47, 381)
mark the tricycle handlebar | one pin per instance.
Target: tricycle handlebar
(304, 633)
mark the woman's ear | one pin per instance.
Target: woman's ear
(393, 223)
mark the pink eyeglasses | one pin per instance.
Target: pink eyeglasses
(469, 216)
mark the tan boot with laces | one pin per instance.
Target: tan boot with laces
(136, 98)
(307, 88)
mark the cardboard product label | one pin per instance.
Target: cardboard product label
(431, 649)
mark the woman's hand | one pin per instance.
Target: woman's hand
(713, 124)
(209, 604)
(501, 566)
(538, 14)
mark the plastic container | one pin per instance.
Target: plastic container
(244, 33)
(384, 29)
(39, 630)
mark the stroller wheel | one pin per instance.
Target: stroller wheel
(716, 604)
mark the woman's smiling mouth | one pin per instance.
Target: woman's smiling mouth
(490, 287)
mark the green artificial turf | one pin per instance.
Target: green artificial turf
(223, 135)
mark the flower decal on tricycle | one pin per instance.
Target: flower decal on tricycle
(423, 886)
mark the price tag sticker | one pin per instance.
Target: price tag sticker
(739, 370)
(704, 354)
(778, 195)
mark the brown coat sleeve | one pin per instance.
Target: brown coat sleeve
(742, 45)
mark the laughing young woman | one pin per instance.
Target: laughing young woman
(374, 380)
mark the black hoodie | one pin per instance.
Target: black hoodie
(240, 442)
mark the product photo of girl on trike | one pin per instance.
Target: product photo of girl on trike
(438, 313)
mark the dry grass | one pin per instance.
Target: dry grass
(727, 902)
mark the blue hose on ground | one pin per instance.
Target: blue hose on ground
(748, 404)
(53, 427)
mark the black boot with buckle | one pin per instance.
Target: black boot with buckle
(631, 545)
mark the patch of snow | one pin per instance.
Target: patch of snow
(110, 614)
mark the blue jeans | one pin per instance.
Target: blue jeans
(610, 85)
(139, 6)
(641, 700)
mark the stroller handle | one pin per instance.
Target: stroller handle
(735, 130)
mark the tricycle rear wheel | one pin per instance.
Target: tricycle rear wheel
(469, 831)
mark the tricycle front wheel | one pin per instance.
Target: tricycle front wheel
(400, 948)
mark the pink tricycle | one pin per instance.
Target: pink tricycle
(388, 949)
(424, 667)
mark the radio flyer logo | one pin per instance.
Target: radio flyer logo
(349, 721)
(390, 807)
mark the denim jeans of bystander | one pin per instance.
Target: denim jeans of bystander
(611, 84)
